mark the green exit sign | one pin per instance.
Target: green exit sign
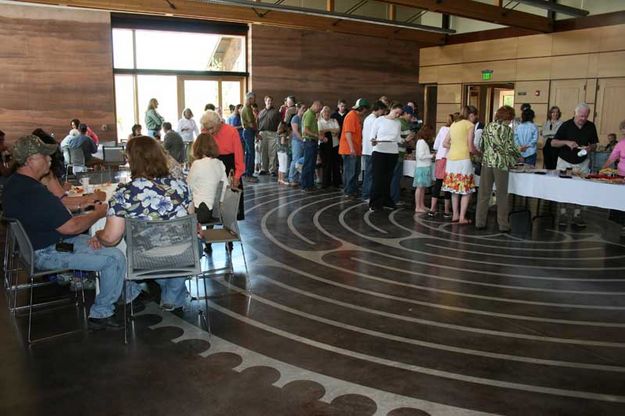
(487, 75)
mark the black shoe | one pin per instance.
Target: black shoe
(99, 324)
(137, 305)
(229, 246)
(274, 174)
(390, 206)
(262, 172)
(431, 214)
(578, 222)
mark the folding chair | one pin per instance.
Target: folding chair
(26, 257)
(229, 233)
(160, 249)
(113, 155)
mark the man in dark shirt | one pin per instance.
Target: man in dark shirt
(340, 113)
(47, 222)
(575, 138)
(268, 123)
(173, 143)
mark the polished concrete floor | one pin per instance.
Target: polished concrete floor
(354, 313)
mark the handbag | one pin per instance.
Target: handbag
(439, 168)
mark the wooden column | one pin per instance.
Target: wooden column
(391, 12)
(330, 5)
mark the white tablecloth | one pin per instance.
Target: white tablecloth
(409, 167)
(573, 191)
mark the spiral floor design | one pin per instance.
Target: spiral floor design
(419, 316)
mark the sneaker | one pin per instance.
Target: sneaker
(64, 279)
(447, 215)
(299, 167)
(167, 307)
(564, 220)
(578, 222)
(263, 173)
(431, 214)
(99, 324)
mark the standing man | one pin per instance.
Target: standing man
(340, 113)
(575, 138)
(350, 146)
(406, 136)
(268, 123)
(378, 109)
(310, 137)
(250, 127)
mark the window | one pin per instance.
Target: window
(180, 69)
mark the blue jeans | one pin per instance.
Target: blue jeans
(109, 261)
(397, 175)
(249, 135)
(173, 291)
(530, 160)
(367, 177)
(153, 133)
(297, 156)
(351, 170)
(307, 180)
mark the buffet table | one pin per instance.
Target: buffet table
(573, 191)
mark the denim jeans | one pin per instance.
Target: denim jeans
(367, 176)
(351, 170)
(307, 180)
(297, 156)
(249, 135)
(153, 133)
(173, 291)
(397, 175)
(109, 261)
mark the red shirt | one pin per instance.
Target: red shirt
(229, 142)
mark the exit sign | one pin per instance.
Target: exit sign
(487, 75)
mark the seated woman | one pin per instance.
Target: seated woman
(204, 177)
(151, 195)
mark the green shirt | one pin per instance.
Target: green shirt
(309, 121)
(247, 117)
(498, 148)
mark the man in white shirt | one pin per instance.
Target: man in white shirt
(378, 109)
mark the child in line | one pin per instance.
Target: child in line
(422, 174)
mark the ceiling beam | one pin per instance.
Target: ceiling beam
(481, 11)
(218, 12)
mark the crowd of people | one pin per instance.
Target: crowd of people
(301, 145)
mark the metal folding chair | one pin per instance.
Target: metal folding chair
(26, 257)
(229, 233)
(161, 249)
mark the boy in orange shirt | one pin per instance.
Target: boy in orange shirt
(350, 146)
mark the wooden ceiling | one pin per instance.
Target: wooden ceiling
(200, 10)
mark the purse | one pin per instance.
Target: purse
(439, 168)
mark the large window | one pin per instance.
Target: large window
(180, 69)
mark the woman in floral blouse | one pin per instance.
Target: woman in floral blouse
(151, 195)
(499, 154)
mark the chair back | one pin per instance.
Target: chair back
(96, 178)
(217, 202)
(66, 156)
(229, 209)
(162, 248)
(26, 252)
(114, 154)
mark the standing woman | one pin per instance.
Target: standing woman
(550, 154)
(500, 152)
(297, 144)
(230, 149)
(526, 137)
(329, 150)
(187, 128)
(439, 169)
(385, 137)
(459, 169)
(153, 120)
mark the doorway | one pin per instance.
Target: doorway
(487, 98)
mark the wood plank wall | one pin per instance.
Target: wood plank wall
(537, 64)
(330, 66)
(56, 64)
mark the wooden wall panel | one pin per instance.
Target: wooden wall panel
(450, 94)
(611, 64)
(56, 65)
(525, 92)
(569, 67)
(329, 66)
(428, 74)
(533, 69)
(533, 46)
(442, 110)
(575, 41)
(491, 50)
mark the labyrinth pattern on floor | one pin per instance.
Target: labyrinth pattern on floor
(422, 316)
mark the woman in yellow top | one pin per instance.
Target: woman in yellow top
(459, 169)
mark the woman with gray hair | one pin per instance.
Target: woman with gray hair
(230, 149)
(329, 149)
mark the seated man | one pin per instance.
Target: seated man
(47, 222)
(84, 142)
(173, 143)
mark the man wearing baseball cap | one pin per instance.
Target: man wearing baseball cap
(350, 146)
(47, 222)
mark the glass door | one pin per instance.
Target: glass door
(196, 93)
